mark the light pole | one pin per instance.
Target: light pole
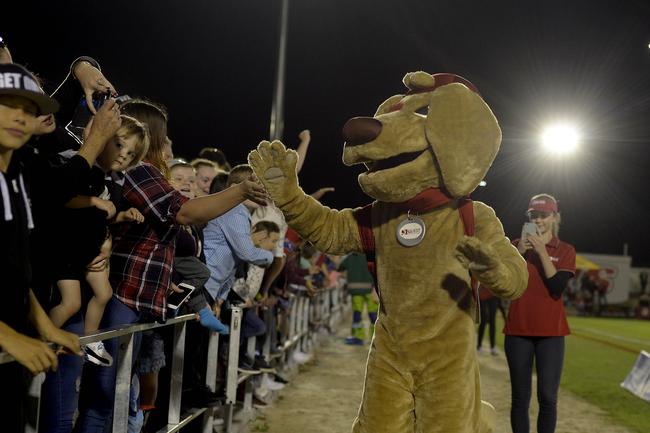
(277, 109)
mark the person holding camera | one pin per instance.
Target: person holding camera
(536, 323)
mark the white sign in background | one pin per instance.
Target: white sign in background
(638, 380)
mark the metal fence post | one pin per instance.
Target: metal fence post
(123, 383)
(211, 378)
(248, 388)
(233, 363)
(304, 328)
(176, 381)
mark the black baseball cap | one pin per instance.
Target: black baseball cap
(18, 81)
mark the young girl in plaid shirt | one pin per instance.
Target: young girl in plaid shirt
(142, 258)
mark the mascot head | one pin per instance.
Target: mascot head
(439, 134)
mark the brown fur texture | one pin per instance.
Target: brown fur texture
(422, 374)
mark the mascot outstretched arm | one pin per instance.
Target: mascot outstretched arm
(330, 230)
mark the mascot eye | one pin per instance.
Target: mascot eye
(423, 111)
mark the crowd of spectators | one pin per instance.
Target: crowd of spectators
(102, 224)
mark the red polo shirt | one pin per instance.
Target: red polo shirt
(536, 313)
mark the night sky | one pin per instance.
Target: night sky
(212, 63)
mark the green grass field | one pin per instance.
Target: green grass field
(599, 355)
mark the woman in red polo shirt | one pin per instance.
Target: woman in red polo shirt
(537, 323)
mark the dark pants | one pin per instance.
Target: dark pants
(98, 383)
(15, 380)
(59, 394)
(197, 339)
(548, 355)
(251, 326)
(488, 318)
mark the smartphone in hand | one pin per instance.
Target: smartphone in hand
(176, 299)
(528, 229)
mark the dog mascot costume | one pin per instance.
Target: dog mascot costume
(425, 152)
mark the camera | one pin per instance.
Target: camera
(82, 114)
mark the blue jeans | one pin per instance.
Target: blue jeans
(59, 394)
(98, 383)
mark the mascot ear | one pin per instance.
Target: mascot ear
(418, 80)
(389, 105)
(464, 134)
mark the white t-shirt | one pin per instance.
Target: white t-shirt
(272, 213)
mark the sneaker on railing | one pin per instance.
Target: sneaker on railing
(201, 396)
(246, 367)
(97, 354)
(258, 403)
(280, 379)
(262, 365)
(271, 384)
(276, 352)
(301, 357)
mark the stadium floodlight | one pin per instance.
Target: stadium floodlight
(560, 139)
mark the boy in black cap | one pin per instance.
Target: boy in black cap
(21, 100)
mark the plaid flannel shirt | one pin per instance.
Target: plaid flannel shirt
(143, 254)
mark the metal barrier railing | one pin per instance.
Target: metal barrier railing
(324, 309)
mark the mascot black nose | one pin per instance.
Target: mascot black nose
(360, 130)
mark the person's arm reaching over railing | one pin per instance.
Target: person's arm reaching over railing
(202, 209)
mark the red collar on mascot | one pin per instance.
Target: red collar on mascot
(424, 201)
(432, 198)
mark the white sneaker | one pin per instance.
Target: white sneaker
(218, 425)
(271, 384)
(494, 351)
(301, 357)
(261, 392)
(97, 354)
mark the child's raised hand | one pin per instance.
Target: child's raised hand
(305, 135)
(130, 215)
(105, 123)
(105, 205)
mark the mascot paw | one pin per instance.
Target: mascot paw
(275, 166)
(475, 255)
(273, 162)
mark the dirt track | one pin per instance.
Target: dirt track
(324, 398)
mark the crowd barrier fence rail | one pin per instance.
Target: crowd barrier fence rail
(307, 316)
